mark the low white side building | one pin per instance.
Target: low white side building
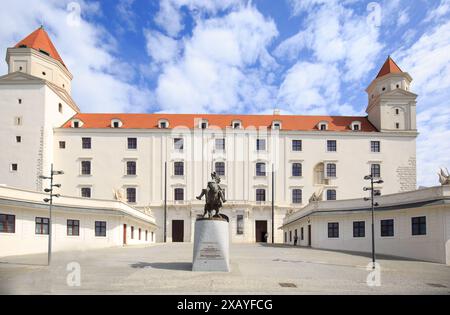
(78, 223)
(413, 224)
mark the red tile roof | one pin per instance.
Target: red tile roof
(389, 66)
(289, 122)
(39, 40)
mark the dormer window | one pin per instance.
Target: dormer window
(355, 126)
(163, 124)
(236, 124)
(276, 125)
(323, 125)
(203, 124)
(76, 123)
(116, 123)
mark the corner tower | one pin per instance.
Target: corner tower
(391, 104)
(34, 99)
(36, 55)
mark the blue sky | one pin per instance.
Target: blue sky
(301, 56)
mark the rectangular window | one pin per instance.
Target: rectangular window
(333, 230)
(261, 144)
(331, 194)
(178, 144)
(179, 194)
(331, 146)
(285, 237)
(86, 143)
(131, 167)
(387, 227)
(100, 228)
(359, 229)
(296, 169)
(419, 225)
(86, 192)
(85, 167)
(132, 232)
(260, 169)
(302, 235)
(139, 233)
(132, 143)
(18, 139)
(178, 168)
(62, 144)
(375, 146)
(240, 224)
(41, 225)
(296, 145)
(14, 167)
(73, 227)
(131, 194)
(331, 170)
(220, 168)
(146, 235)
(290, 236)
(220, 144)
(296, 196)
(260, 194)
(375, 170)
(7, 223)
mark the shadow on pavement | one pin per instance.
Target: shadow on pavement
(163, 265)
(362, 254)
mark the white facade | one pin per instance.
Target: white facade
(26, 206)
(45, 106)
(432, 244)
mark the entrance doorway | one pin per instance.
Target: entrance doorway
(124, 234)
(260, 231)
(177, 230)
(309, 234)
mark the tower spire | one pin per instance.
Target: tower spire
(389, 66)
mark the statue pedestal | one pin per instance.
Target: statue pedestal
(211, 245)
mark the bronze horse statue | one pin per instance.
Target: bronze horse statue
(214, 197)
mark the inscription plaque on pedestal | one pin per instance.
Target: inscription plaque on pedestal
(211, 246)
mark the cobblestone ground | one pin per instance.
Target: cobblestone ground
(256, 269)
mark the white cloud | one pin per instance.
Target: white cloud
(438, 12)
(309, 88)
(334, 33)
(160, 47)
(216, 72)
(170, 19)
(101, 81)
(126, 14)
(428, 62)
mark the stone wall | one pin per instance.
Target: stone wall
(407, 175)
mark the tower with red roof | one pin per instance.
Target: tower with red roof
(391, 105)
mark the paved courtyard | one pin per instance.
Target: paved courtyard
(256, 269)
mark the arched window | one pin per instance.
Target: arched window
(163, 124)
(76, 123)
(236, 124)
(323, 125)
(116, 123)
(355, 125)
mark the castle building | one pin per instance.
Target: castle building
(163, 161)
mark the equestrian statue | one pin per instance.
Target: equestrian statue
(214, 196)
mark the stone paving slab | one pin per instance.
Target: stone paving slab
(255, 269)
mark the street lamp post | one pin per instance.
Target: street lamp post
(50, 202)
(373, 204)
